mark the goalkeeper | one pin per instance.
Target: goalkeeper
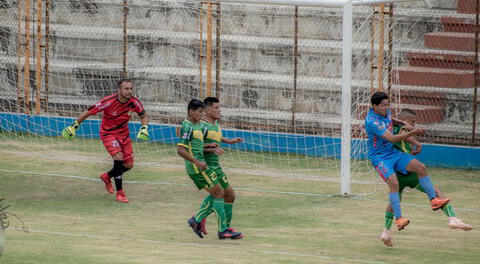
(114, 133)
(411, 180)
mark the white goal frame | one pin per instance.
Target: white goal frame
(347, 43)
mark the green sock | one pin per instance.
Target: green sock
(388, 220)
(228, 213)
(219, 209)
(448, 210)
(205, 208)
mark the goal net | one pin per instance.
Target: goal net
(277, 70)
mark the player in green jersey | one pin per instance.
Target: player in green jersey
(191, 148)
(412, 146)
(213, 138)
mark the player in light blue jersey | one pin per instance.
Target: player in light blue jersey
(386, 159)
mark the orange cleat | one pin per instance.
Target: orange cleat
(108, 183)
(235, 231)
(402, 223)
(438, 203)
(121, 197)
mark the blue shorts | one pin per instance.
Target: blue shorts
(388, 164)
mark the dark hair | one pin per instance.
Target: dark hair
(408, 111)
(378, 97)
(209, 101)
(195, 104)
(124, 80)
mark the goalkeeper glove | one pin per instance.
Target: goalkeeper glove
(70, 131)
(143, 133)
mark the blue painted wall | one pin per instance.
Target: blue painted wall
(311, 145)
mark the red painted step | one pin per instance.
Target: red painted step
(466, 6)
(425, 113)
(450, 41)
(433, 59)
(432, 97)
(458, 24)
(436, 77)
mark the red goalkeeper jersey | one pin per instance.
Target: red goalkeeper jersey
(116, 114)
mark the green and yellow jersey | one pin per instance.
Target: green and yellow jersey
(402, 145)
(191, 137)
(213, 135)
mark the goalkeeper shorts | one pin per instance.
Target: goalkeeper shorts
(116, 143)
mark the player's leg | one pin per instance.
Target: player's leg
(424, 181)
(117, 174)
(386, 235)
(453, 221)
(114, 148)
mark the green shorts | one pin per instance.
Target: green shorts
(408, 180)
(222, 178)
(204, 179)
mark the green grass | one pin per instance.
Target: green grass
(76, 221)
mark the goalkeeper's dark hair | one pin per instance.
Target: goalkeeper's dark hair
(209, 101)
(123, 80)
(378, 97)
(195, 104)
(408, 111)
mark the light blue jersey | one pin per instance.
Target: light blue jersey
(381, 152)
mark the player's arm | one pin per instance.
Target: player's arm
(399, 137)
(183, 152)
(70, 131)
(232, 140)
(406, 124)
(143, 132)
(417, 145)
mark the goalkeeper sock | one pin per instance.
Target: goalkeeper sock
(427, 185)
(395, 202)
(219, 209)
(448, 210)
(228, 213)
(388, 220)
(116, 173)
(205, 208)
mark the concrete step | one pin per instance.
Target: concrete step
(450, 41)
(466, 6)
(423, 76)
(435, 59)
(425, 113)
(458, 24)
(416, 97)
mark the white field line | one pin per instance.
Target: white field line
(355, 197)
(263, 173)
(199, 245)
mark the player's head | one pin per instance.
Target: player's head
(212, 107)
(380, 103)
(195, 110)
(125, 88)
(408, 115)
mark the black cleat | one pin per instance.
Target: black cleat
(228, 233)
(196, 227)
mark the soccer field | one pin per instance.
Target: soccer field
(71, 219)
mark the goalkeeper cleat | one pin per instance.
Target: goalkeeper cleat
(386, 238)
(196, 226)
(402, 223)
(456, 223)
(108, 183)
(143, 133)
(229, 234)
(121, 197)
(438, 203)
(203, 226)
